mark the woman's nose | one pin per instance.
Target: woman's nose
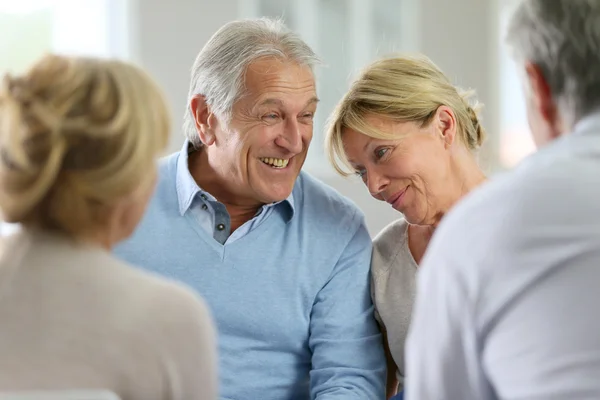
(376, 183)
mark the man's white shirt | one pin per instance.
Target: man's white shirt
(508, 300)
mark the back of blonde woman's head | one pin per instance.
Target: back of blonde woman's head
(404, 89)
(76, 136)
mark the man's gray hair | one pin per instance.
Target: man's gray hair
(220, 69)
(562, 37)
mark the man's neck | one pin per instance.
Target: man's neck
(240, 215)
(240, 210)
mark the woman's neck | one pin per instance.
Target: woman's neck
(466, 176)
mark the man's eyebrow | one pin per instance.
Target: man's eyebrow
(312, 101)
(270, 101)
(278, 102)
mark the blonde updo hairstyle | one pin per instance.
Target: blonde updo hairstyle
(400, 89)
(76, 136)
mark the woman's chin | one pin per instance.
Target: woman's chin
(414, 219)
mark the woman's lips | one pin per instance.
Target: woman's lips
(396, 199)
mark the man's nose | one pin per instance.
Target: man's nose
(291, 137)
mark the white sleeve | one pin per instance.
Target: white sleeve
(442, 346)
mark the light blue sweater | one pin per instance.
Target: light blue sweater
(289, 290)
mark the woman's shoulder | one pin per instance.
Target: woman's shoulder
(389, 245)
(147, 298)
(155, 324)
(182, 330)
(392, 232)
(172, 299)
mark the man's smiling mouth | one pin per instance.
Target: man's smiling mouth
(275, 162)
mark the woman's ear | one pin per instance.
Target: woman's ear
(203, 118)
(445, 121)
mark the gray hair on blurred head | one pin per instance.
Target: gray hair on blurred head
(562, 37)
(218, 73)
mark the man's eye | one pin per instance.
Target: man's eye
(271, 116)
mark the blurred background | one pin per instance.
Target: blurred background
(464, 37)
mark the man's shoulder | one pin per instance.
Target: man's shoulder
(324, 203)
(546, 184)
(549, 189)
(167, 177)
(167, 165)
(493, 206)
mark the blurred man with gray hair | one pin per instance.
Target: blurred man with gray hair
(509, 290)
(282, 260)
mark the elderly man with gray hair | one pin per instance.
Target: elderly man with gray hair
(509, 293)
(281, 259)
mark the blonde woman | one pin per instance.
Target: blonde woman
(412, 137)
(79, 140)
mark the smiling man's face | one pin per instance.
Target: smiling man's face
(260, 152)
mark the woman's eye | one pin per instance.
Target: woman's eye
(379, 153)
(271, 116)
(361, 172)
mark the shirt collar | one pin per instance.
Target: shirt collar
(188, 189)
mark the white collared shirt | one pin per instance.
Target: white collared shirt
(508, 298)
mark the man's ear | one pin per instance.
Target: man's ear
(541, 94)
(203, 118)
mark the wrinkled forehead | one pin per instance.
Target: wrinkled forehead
(277, 77)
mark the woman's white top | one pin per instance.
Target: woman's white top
(74, 317)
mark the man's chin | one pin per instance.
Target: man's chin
(276, 195)
(279, 198)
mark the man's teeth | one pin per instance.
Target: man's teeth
(275, 162)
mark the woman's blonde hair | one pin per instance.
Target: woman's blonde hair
(76, 135)
(401, 89)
